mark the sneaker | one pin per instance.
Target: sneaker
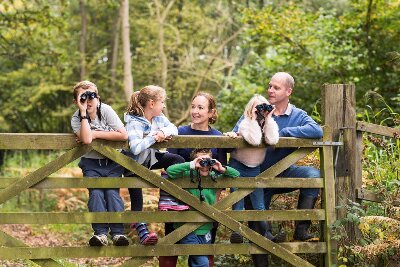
(98, 241)
(145, 237)
(171, 204)
(236, 238)
(120, 240)
(168, 202)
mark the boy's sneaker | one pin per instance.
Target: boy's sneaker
(120, 240)
(98, 241)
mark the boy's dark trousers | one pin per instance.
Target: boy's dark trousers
(103, 199)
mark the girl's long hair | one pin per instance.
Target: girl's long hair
(139, 99)
(248, 110)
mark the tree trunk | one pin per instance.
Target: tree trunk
(115, 48)
(128, 80)
(82, 39)
(204, 75)
(164, 60)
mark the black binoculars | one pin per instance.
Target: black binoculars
(264, 107)
(207, 162)
(88, 95)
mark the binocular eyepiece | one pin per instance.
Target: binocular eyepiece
(207, 162)
(264, 107)
(88, 95)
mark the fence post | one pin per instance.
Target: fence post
(338, 112)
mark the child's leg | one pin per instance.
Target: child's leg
(166, 159)
(241, 169)
(96, 201)
(136, 196)
(145, 237)
(166, 201)
(115, 204)
(197, 260)
(168, 261)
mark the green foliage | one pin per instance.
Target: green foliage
(381, 167)
(234, 100)
(318, 42)
(325, 47)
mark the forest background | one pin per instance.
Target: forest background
(228, 48)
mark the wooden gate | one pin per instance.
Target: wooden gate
(12, 249)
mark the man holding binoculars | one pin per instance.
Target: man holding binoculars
(292, 122)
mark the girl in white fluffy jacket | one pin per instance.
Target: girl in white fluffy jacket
(254, 128)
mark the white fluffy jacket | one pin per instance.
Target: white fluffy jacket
(252, 133)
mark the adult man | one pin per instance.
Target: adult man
(292, 122)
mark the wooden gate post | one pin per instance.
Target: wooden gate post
(338, 112)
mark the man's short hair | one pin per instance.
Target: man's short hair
(200, 151)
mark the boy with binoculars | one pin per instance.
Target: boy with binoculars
(202, 165)
(96, 120)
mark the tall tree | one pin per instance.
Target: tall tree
(115, 48)
(128, 80)
(161, 19)
(82, 38)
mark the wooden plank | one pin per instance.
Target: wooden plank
(37, 141)
(364, 194)
(153, 216)
(285, 163)
(195, 141)
(182, 231)
(8, 253)
(345, 158)
(328, 199)
(41, 173)
(378, 129)
(9, 241)
(206, 209)
(135, 182)
(43, 141)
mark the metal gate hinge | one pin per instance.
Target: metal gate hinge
(327, 143)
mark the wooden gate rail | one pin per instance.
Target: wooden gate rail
(205, 212)
(370, 128)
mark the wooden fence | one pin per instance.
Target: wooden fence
(338, 110)
(11, 187)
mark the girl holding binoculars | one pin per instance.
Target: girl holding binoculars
(257, 125)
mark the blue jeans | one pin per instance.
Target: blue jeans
(191, 239)
(104, 199)
(293, 171)
(257, 196)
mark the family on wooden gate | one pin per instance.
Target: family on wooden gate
(262, 121)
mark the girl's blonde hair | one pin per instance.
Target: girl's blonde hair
(248, 111)
(212, 105)
(139, 99)
(84, 85)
